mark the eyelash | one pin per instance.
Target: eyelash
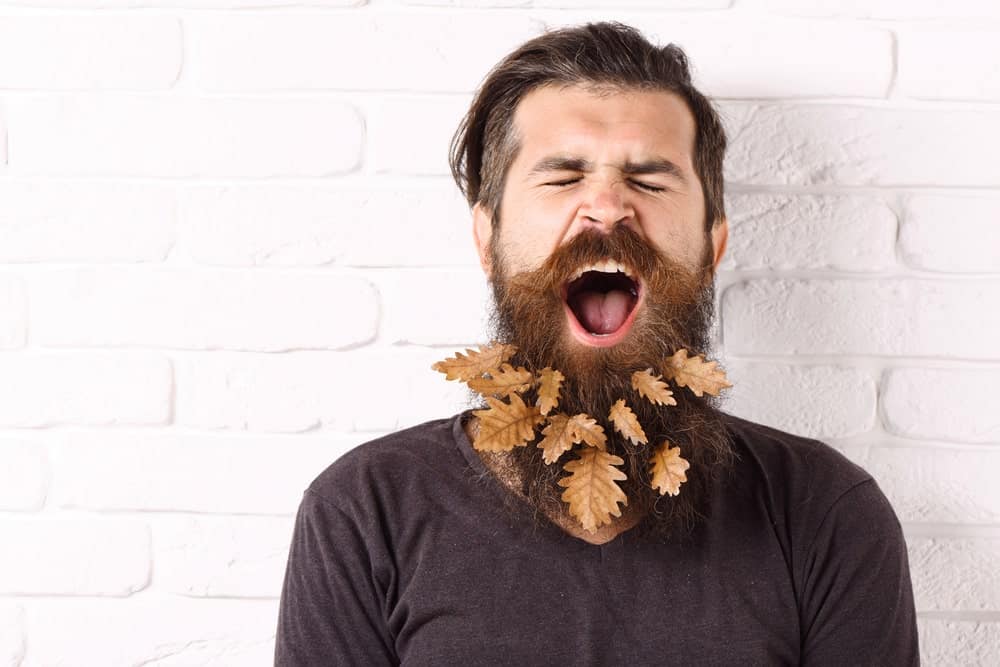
(638, 184)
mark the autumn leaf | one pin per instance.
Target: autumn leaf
(626, 422)
(587, 430)
(502, 382)
(696, 374)
(668, 469)
(550, 381)
(560, 436)
(504, 426)
(591, 489)
(475, 363)
(652, 387)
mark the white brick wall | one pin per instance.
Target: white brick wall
(225, 222)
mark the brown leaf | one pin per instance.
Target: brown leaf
(591, 489)
(504, 426)
(560, 436)
(550, 381)
(696, 374)
(475, 363)
(502, 382)
(587, 430)
(668, 469)
(652, 387)
(626, 422)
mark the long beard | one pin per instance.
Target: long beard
(677, 312)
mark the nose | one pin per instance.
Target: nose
(606, 204)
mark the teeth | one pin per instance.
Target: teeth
(607, 266)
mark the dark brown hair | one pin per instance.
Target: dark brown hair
(596, 54)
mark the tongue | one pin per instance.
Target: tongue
(603, 313)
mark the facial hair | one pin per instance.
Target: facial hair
(676, 311)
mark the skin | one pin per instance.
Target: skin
(576, 169)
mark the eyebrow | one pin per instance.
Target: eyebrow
(567, 163)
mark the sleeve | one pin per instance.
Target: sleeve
(330, 611)
(857, 599)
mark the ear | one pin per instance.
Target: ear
(482, 232)
(720, 234)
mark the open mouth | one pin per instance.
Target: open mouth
(601, 302)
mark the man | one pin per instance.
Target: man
(588, 514)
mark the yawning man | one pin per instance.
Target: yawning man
(596, 507)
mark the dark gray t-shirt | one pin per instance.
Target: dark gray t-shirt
(403, 554)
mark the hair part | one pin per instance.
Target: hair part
(602, 56)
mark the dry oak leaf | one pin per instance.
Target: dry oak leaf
(626, 422)
(560, 436)
(591, 489)
(503, 382)
(549, 383)
(504, 426)
(652, 387)
(589, 431)
(668, 469)
(475, 363)
(696, 374)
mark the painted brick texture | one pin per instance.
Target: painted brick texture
(227, 223)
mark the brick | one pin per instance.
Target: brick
(782, 232)
(466, 3)
(100, 388)
(653, 4)
(959, 234)
(222, 556)
(427, 307)
(202, 309)
(115, 51)
(161, 471)
(12, 638)
(883, 316)
(949, 64)
(732, 57)
(428, 52)
(958, 643)
(86, 222)
(372, 226)
(369, 389)
(853, 145)
(397, 149)
(182, 136)
(24, 475)
(74, 557)
(956, 405)
(160, 630)
(13, 305)
(880, 9)
(186, 4)
(955, 574)
(938, 484)
(814, 401)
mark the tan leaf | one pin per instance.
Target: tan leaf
(588, 430)
(550, 381)
(626, 422)
(560, 436)
(652, 387)
(696, 374)
(504, 426)
(591, 489)
(502, 382)
(475, 363)
(668, 469)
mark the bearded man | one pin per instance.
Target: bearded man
(594, 171)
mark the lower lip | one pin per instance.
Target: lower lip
(601, 340)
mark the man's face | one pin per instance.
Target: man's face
(591, 161)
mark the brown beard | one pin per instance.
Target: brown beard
(678, 308)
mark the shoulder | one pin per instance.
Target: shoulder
(388, 465)
(794, 462)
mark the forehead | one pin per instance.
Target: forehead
(611, 124)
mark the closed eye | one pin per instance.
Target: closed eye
(648, 187)
(568, 181)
